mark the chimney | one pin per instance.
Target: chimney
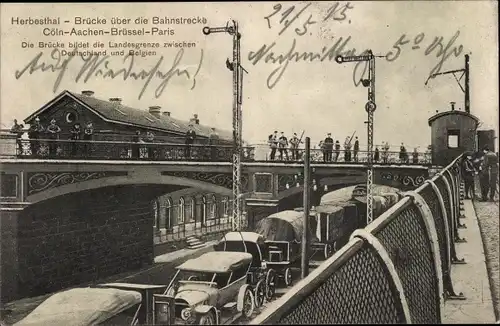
(115, 100)
(88, 93)
(452, 106)
(166, 113)
(155, 111)
(194, 120)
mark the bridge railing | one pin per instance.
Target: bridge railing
(396, 270)
(160, 151)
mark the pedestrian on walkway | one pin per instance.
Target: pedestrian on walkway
(190, 138)
(356, 149)
(328, 143)
(294, 145)
(34, 133)
(76, 134)
(17, 129)
(415, 156)
(491, 171)
(88, 135)
(283, 145)
(337, 150)
(53, 131)
(347, 149)
(468, 171)
(376, 157)
(272, 141)
(213, 141)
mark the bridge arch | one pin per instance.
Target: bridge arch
(133, 179)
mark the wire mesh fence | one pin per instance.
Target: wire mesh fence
(396, 270)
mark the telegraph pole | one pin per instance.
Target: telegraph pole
(370, 108)
(237, 69)
(307, 190)
(465, 73)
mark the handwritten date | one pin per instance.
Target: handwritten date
(290, 16)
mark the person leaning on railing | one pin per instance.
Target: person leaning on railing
(88, 134)
(34, 132)
(53, 131)
(18, 130)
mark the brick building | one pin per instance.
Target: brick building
(177, 214)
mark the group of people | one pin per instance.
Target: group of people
(485, 165)
(40, 135)
(279, 143)
(37, 132)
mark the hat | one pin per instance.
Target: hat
(53, 120)
(486, 148)
(37, 119)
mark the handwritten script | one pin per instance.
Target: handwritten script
(96, 66)
(441, 49)
(338, 12)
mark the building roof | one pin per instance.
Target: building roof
(217, 262)
(238, 236)
(122, 114)
(451, 112)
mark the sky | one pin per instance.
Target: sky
(314, 96)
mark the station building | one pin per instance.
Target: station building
(176, 214)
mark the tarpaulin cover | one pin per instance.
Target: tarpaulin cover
(283, 226)
(81, 307)
(345, 194)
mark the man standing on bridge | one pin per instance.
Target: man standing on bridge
(489, 174)
(356, 149)
(190, 137)
(328, 143)
(294, 144)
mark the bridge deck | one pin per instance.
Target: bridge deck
(471, 278)
(210, 163)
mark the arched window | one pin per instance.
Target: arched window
(188, 210)
(213, 208)
(168, 213)
(156, 214)
(181, 212)
(203, 210)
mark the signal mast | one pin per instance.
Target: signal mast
(465, 73)
(231, 28)
(370, 108)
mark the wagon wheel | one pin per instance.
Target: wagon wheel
(329, 250)
(259, 293)
(288, 276)
(270, 284)
(248, 303)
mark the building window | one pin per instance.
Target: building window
(453, 138)
(181, 211)
(203, 210)
(156, 214)
(168, 213)
(188, 209)
(213, 208)
(70, 117)
(225, 205)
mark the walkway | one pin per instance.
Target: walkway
(471, 278)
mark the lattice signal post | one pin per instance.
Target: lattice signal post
(370, 109)
(231, 28)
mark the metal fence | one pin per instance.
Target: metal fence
(168, 151)
(396, 270)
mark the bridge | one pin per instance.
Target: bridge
(89, 211)
(396, 270)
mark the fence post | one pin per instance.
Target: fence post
(384, 256)
(430, 226)
(456, 237)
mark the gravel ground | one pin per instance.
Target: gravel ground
(488, 217)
